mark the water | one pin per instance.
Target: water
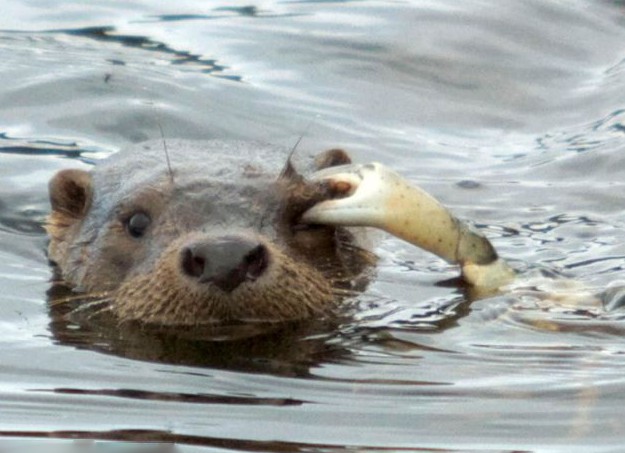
(512, 113)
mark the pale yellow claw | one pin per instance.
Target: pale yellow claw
(381, 198)
(365, 204)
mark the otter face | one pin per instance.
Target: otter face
(216, 238)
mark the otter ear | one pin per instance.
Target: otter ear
(70, 193)
(332, 158)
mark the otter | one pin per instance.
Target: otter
(210, 233)
(227, 233)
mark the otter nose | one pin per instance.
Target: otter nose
(226, 262)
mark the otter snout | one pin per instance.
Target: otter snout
(225, 262)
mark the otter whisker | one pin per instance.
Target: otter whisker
(79, 297)
(346, 277)
(104, 309)
(90, 305)
(289, 171)
(171, 172)
(344, 292)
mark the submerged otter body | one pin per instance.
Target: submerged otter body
(216, 237)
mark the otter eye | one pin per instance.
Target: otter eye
(137, 224)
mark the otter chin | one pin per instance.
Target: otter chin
(213, 233)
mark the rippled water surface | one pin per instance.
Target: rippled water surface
(511, 112)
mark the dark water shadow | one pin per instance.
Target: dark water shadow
(108, 34)
(167, 437)
(248, 11)
(179, 57)
(25, 146)
(284, 349)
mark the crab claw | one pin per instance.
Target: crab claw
(365, 196)
(374, 195)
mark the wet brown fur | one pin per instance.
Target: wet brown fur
(306, 270)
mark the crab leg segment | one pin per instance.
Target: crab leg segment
(378, 197)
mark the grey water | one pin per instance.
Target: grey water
(510, 112)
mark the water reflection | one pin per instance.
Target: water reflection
(178, 57)
(284, 349)
(511, 113)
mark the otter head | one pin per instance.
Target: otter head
(215, 238)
